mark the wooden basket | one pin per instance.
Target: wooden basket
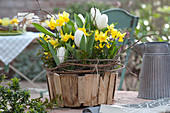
(87, 90)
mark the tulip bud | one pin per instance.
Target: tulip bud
(102, 21)
(82, 18)
(95, 14)
(60, 54)
(78, 36)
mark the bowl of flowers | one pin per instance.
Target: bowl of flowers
(10, 27)
(81, 58)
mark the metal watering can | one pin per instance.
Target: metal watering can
(155, 71)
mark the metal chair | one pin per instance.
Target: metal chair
(124, 20)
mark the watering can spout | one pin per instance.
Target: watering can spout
(139, 48)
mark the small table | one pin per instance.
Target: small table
(12, 46)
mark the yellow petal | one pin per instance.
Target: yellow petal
(48, 23)
(120, 39)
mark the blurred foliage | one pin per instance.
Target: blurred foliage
(16, 100)
(154, 19)
(29, 63)
(82, 8)
(154, 15)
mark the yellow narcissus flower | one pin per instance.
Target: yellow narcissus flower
(114, 33)
(101, 45)
(96, 35)
(73, 46)
(96, 47)
(102, 37)
(110, 27)
(65, 16)
(44, 36)
(84, 30)
(71, 36)
(121, 36)
(65, 37)
(54, 42)
(13, 21)
(111, 31)
(108, 45)
(52, 23)
(47, 55)
(60, 21)
(0, 21)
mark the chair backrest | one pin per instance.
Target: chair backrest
(123, 19)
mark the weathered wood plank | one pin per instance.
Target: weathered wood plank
(74, 91)
(65, 86)
(101, 95)
(57, 84)
(48, 85)
(81, 89)
(103, 88)
(88, 89)
(95, 89)
(51, 85)
(111, 90)
(106, 85)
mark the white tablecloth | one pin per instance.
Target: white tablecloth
(12, 46)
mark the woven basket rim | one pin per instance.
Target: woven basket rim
(95, 66)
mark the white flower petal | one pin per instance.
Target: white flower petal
(102, 21)
(78, 36)
(82, 18)
(95, 14)
(61, 53)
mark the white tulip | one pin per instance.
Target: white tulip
(95, 14)
(60, 54)
(102, 21)
(78, 36)
(82, 18)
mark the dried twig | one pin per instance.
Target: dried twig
(133, 45)
(137, 42)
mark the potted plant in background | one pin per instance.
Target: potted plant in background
(81, 58)
(10, 27)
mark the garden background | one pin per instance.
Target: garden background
(154, 18)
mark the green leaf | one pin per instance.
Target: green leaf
(77, 54)
(45, 45)
(78, 21)
(44, 42)
(66, 54)
(54, 54)
(69, 47)
(86, 19)
(83, 43)
(39, 42)
(71, 26)
(90, 42)
(43, 30)
(66, 29)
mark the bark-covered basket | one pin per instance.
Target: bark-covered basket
(88, 85)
